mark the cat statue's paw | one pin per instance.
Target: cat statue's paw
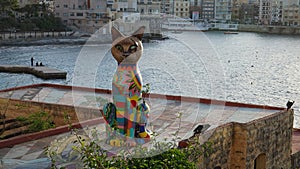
(116, 142)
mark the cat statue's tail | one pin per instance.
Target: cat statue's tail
(114, 138)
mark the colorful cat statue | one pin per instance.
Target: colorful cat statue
(127, 116)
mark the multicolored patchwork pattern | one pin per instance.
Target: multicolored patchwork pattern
(126, 115)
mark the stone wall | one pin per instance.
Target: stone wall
(271, 136)
(221, 141)
(269, 29)
(237, 145)
(238, 151)
(295, 160)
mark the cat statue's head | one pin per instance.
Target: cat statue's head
(127, 49)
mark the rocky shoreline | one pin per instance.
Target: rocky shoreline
(40, 42)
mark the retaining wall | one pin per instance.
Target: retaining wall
(269, 29)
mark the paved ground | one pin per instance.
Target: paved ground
(163, 118)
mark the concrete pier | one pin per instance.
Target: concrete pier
(39, 71)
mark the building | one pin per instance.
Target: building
(236, 9)
(265, 12)
(248, 13)
(208, 10)
(276, 16)
(119, 7)
(195, 9)
(149, 6)
(167, 7)
(291, 15)
(223, 9)
(182, 8)
(84, 15)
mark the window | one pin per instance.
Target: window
(79, 14)
(65, 6)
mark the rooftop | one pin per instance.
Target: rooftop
(163, 119)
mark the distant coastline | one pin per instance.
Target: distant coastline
(81, 39)
(40, 42)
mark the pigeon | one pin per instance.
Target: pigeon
(289, 104)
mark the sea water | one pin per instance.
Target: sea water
(246, 67)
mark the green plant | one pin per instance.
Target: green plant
(159, 155)
(21, 119)
(40, 121)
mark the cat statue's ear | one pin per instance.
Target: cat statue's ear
(115, 33)
(139, 33)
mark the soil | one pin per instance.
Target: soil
(12, 110)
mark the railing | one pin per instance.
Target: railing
(33, 35)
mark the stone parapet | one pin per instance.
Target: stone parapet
(265, 142)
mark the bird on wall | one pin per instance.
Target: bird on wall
(289, 104)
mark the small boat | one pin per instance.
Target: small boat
(229, 32)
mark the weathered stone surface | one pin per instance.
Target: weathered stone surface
(237, 145)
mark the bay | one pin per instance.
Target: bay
(245, 67)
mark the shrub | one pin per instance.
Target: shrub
(164, 155)
(40, 121)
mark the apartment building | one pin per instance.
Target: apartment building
(149, 6)
(84, 15)
(291, 15)
(126, 5)
(167, 7)
(223, 10)
(265, 12)
(208, 9)
(236, 9)
(182, 8)
(249, 13)
(276, 10)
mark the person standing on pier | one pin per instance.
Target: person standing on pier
(31, 61)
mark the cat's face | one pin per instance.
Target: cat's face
(127, 49)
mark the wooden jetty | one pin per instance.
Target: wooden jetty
(39, 71)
